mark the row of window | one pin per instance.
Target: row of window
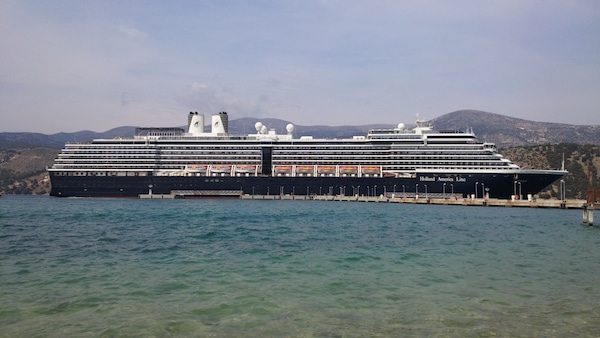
(390, 157)
(414, 164)
(167, 173)
(292, 148)
(107, 153)
(203, 147)
(277, 161)
(100, 173)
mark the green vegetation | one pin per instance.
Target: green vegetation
(23, 170)
(581, 160)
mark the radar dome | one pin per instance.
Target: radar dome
(289, 128)
(264, 129)
(258, 126)
(401, 126)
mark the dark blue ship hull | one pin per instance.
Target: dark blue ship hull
(424, 185)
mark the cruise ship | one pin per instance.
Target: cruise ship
(400, 161)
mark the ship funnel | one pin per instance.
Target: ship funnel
(220, 123)
(190, 119)
(196, 124)
(225, 120)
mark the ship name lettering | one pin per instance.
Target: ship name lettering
(427, 179)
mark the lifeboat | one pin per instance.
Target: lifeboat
(282, 169)
(196, 167)
(305, 169)
(326, 169)
(371, 170)
(245, 168)
(220, 168)
(348, 169)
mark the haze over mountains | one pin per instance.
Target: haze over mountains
(508, 131)
(503, 130)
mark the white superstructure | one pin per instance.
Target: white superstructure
(394, 152)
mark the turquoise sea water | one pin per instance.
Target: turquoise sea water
(231, 268)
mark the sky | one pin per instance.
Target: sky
(95, 65)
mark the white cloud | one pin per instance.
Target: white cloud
(202, 97)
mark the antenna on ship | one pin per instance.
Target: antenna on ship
(563, 162)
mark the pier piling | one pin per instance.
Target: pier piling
(588, 215)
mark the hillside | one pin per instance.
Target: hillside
(23, 171)
(508, 131)
(26, 139)
(582, 162)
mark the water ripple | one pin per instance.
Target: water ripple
(70, 267)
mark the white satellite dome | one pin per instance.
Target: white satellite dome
(264, 129)
(289, 128)
(258, 126)
(401, 126)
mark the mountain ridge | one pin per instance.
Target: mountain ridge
(506, 131)
(503, 130)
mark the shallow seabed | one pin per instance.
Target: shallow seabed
(227, 268)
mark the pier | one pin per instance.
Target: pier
(489, 202)
(588, 216)
(192, 194)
